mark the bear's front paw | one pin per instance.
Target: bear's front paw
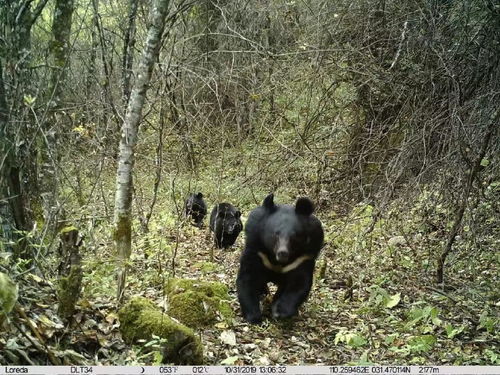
(283, 311)
(254, 318)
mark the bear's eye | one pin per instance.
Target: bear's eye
(277, 233)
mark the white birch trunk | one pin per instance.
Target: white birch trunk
(124, 186)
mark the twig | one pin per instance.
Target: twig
(442, 293)
(398, 52)
(53, 359)
(459, 214)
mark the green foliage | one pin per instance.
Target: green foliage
(485, 162)
(352, 339)
(352, 235)
(316, 118)
(99, 277)
(379, 297)
(426, 318)
(363, 360)
(494, 357)
(29, 100)
(490, 323)
(207, 267)
(421, 344)
(8, 295)
(451, 332)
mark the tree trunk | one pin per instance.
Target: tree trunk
(16, 167)
(91, 75)
(7, 203)
(124, 186)
(70, 271)
(128, 50)
(59, 48)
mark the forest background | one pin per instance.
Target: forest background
(385, 113)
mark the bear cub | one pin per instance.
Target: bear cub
(282, 244)
(226, 224)
(196, 208)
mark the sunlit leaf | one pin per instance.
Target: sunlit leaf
(393, 300)
(229, 360)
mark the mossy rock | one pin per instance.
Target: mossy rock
(198, 310)
(198, 303)
(140, 320)
(8, 295)
(210, 289)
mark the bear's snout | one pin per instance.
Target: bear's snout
(282, 253)
(282, 256)
(230, 228)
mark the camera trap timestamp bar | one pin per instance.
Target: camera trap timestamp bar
(237, 370)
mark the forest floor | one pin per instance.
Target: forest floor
(393, 314)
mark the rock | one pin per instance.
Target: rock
(140, 320)
(396, 240)
(198, 303)
(228, 337)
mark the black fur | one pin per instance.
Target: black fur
(196, 208)
(226, 224)
(283, 233)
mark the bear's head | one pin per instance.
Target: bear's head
(195, 202)
(230, 220)
(286, 232)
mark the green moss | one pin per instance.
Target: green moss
(140, 319)
(210, 289)
(198, 303)
(197, 309)
(68, 229)
(37, 212)
(225, 310)
(122, 228)
(8, 295)
(68, 291)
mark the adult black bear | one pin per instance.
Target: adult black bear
(226, 224)
(196, 208)
(282, 244)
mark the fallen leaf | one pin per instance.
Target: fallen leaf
(228, 337)
(229, 360)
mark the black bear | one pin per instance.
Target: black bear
(226, 224)
(282, 244)
(196, 208)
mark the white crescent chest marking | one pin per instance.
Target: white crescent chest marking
(282, 269)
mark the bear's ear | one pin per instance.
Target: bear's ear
(269, 202)
(199, 195)
(304, 206)
(237, 214)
